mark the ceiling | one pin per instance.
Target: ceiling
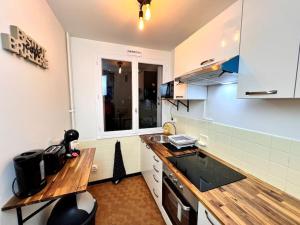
(116, 20)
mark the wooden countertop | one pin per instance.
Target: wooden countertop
(72, 178)
(246, 202)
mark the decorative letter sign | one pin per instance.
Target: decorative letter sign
(23, 45)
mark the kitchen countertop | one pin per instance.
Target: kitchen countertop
(72, 178)
(249, 201)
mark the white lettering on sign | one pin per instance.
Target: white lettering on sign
(23, 45)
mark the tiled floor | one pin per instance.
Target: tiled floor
(128, 203)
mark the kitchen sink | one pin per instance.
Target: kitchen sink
(159, 138)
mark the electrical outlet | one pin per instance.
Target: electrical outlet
(94, 168)
(203, 140)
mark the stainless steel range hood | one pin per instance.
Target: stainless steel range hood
(224, 72)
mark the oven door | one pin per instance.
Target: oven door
(178, 209)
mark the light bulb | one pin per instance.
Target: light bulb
(120, 70)
(141, 23)
(148, 12)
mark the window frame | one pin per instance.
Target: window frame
(135, 98)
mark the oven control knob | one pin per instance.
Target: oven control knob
(180, 186)
(171, 175)
(175, 180)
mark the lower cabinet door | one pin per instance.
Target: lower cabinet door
(205, 217)
(156, 187)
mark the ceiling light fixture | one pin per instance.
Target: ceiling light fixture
(141, 20)
(141, 13)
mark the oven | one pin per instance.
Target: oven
(179, 203)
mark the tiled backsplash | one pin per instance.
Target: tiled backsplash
(275, 160)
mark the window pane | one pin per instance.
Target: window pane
(117, 95)
(150, 77)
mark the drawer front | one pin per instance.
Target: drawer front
(205, 217)
(156, 190)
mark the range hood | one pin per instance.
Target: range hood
(223, 72)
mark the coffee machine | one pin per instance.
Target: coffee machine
(69, 137)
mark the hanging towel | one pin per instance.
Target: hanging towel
(119, 169)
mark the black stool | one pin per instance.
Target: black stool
(74, 209)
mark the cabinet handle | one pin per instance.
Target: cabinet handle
(273, 92)
(156, 195)
(207, 61)
(180, 96)
(156, 170)
(206, 213)
(155, 159)
(147, 146)
(157, 181)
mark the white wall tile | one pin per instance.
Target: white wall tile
(295, 148)
(294, 162)
(277, 170)
(293, 190)
(281, 144)
(279, 157)
(293, 177)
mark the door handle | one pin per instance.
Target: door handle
(206, 213)
(157, 181)
(184, 207)
(156, 195)
(156, 160)
(206, 61)
(272, 92)
(156, 170)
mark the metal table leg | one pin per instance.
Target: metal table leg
(19, 215)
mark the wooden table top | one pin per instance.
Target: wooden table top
(246, 202)
(72, 178)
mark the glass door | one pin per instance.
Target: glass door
(150, 111)
(117, 101)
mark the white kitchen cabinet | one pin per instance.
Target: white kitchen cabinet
(205, 217)
(146, 161)
(189, 92)
(151, 168)
(156, 176)
(269, 49)
(217, 40)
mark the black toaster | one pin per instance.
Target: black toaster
(54, 158)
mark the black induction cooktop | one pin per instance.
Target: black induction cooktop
(205, 172)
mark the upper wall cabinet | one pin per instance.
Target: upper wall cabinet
(217, 40)
(189, 92)
(269, 49)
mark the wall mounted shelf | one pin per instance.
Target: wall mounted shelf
(177, 102)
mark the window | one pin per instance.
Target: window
(150, 77)
(117, 95)
(130, 97)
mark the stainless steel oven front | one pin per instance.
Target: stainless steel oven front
(178, 201)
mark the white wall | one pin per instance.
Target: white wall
(278, 116)
(34, 102)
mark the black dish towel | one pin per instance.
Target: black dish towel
(119, 169)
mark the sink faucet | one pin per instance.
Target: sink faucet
(168, 126)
